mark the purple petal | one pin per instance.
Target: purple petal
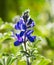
(20, 25)
(17, 26)
(31, 38)
(16, 43)
(30, 23)
(24, 27)
(17, 35)
(29, 32)
(22, 33)
(20, 39)
(21, 21)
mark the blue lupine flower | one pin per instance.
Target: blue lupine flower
(24, 25)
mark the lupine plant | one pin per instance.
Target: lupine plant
(24, 24)
(26, 43)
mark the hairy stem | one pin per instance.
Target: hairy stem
(25, 17)
(27, 59)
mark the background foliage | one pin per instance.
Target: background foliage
(42, 13)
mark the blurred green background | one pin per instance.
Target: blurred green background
(42, 12)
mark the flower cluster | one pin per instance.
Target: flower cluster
(24, 24)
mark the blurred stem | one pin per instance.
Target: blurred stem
(27, 59)
(4, 61)
(17, 61)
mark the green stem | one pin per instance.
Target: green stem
(17, 61)
(25, 17)
(27, 59)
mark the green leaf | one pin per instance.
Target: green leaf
(42, 61)
(4, 63)
(12, 60)
(6, 27)
(9, 60)
(1, 63)
(25, 53)
(4, 37)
